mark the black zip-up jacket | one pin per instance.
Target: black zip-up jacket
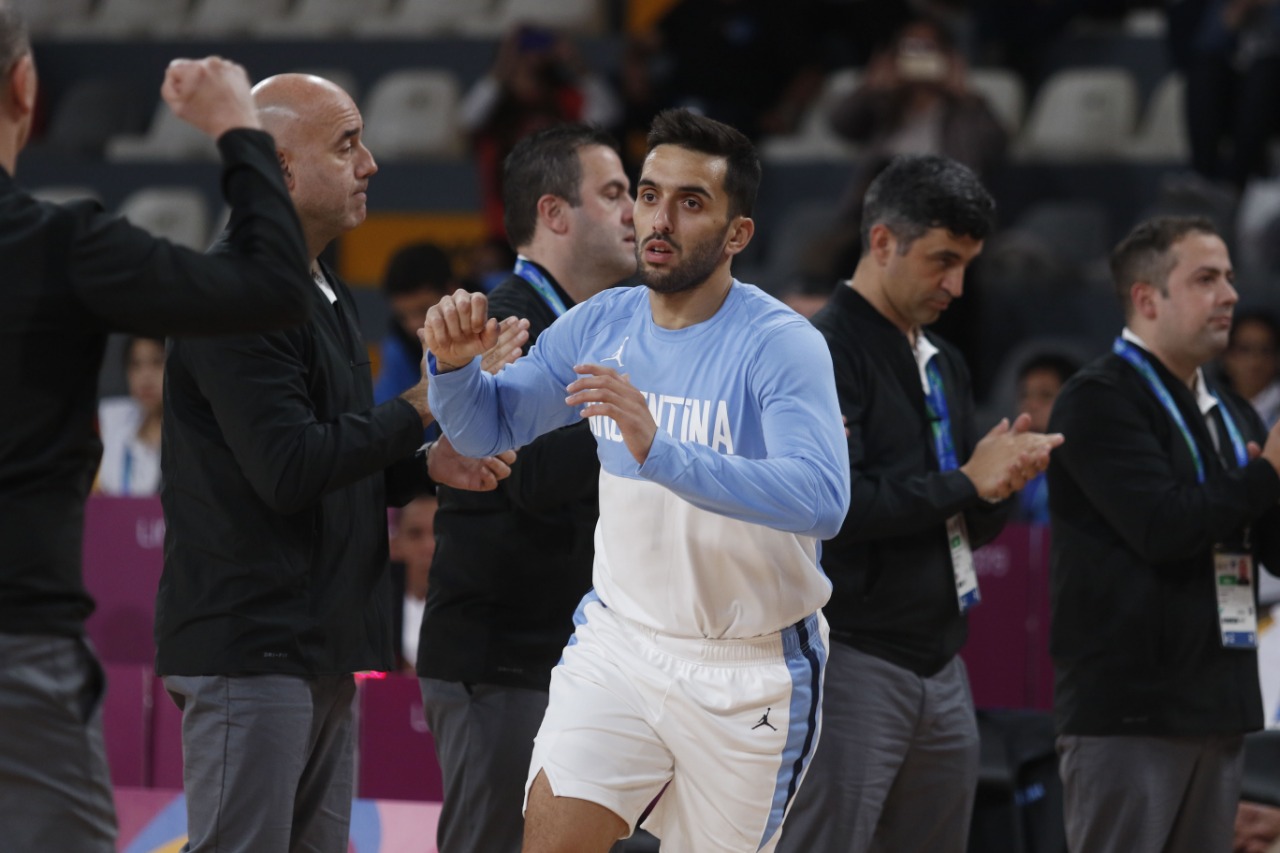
(511, 565)
(1135, 638)
(72, 274)
(894, 593)
(278, 472)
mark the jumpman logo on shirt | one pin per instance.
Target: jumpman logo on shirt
(764, 721)
(617, 356)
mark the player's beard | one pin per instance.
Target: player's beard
(687, 274)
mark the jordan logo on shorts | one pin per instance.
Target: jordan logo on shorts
(764, 721)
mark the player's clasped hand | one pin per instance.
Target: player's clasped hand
(458, 329)
(211, 93)
(602, 391)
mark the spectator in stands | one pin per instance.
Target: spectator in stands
(278, 473)
(806, 296)
(748, 63)
(1229, 51)
(413, 546)
(130, 426)
(1040, 378)
(417, 276)
(1251, 362)
(900, 737)
(513, 565)
(72, 274)
(1163, 502)
(916, 99)
(537, 80)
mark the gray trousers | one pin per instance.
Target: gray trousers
(897, 764)
(267, 762)
(484, 741)
(55, 791)
(1150, 794)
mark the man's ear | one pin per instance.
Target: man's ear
(283, 157)
(1143, 296)
(883, 243)
(741, 230)
(22, 86)
(553, 213)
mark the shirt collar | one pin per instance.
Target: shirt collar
(923, 351)
(1204, 400)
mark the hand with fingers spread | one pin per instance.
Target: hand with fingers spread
(512, 334)
(602, 391)
(458, 329)
(1008, 457)
(448, 467)
(211, 94)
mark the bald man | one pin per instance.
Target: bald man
(278, 473)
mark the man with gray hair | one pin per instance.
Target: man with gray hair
(278, 473)
(72, 274)
(1163, 504)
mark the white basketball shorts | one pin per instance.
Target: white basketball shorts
(719, 732)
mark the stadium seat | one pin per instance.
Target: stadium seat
(1162, 135)
(314, 18)
(179, 214)
(63, 193)
(415, 18)
(46, 17)
(581, 17)
(168, 138)
(814, 140)
(91, 112)
(1003, 91)
(221, 18)
(115, 19)
(1081, 114)
(412, 114)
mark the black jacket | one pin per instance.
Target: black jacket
(1135, 638)
(894, 590)
(72, 274)
(278, 471)
(511, 565)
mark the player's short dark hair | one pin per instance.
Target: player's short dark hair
(914, 194)
(545, 163)
(14, 42)
(689, 130)
(1062, 366)
(1144, 255)
(416, 267)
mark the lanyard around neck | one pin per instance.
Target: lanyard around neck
(1134, 357)
(940, 418)
(539, 282)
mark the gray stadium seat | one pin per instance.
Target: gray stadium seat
(412, 114)
(1080, 114)
(179, 214)
(168, 138)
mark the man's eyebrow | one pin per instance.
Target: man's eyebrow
(695, 189)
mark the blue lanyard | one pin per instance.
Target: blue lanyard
(539, 282)
(1130, 353)
(940, 419)
(127, 474)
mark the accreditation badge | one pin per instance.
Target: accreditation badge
(962, 563)
(1237, 615)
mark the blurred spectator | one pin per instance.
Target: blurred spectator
(489, 264)
(130, 426)
(413, 546)
(916, 99)
(1229, 51)
(806, 296)
(537, 80)
(417, 277)
(749, 63)
(1040, 378)
(1250, 362)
